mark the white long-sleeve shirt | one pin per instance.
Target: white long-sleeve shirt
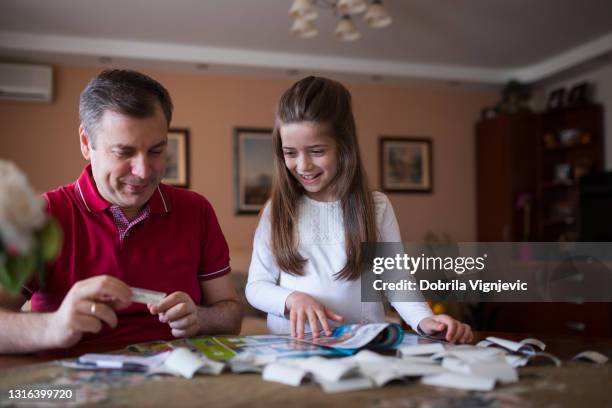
(322, 244)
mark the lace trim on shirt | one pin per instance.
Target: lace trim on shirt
(323, 222)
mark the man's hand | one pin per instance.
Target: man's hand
(180, 312)
(302, 307)
(88, 303)
(456, 332)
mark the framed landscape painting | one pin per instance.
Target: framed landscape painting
(252, 169)
(406, 164)
(177, 160)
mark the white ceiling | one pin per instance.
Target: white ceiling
(481, 41)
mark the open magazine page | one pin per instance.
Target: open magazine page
(226, 347)
(356, 336)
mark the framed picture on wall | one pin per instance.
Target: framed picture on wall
(177, 160)
(406, 164)
(252, 169)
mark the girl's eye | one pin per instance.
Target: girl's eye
(156, 152)
(318, 152)
(289, 154)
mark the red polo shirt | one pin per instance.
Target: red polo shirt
(178, 244)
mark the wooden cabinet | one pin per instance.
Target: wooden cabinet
(506, 162)
(528, 169)
(570, 145)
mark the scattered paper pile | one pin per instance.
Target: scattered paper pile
(478, 367)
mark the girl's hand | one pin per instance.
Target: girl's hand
(302, 307)
(456, 332)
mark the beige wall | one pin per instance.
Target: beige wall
(42, 140)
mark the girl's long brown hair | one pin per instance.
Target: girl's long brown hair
(325, 102)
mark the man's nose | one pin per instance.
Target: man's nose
(141, 167)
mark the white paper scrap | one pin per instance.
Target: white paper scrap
(516, 361)
(408, 369)
(368, 356)
(245, 363)
(211, 367)
(118, 361)
(463, 382)
(418, 360)
(383, 377)
(547, 357)
(421, 349)
(284, 374)
(529, 345)
(591, 356)
(184, 362)
(348, 384)
(534, 342)
(477, 354)
(398, 370)
(496, 370)
(327, 370)
(145, 296)
(484, 343)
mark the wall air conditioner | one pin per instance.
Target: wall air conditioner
(21, 82)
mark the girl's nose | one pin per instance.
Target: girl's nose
(304, 163)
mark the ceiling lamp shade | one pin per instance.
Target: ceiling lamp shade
(303, 10)
(346, 30)
(303, 29)
(376, 16)
(351, 6)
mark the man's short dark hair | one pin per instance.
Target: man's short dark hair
(122, 91)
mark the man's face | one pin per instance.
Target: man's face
(128, 157)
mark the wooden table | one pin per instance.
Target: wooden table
(574, 384)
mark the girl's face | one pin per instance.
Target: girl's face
(311, 156)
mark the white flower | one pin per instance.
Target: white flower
(21, 209)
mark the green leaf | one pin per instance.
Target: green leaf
(15, 273)
(6, 280)
(50, 239)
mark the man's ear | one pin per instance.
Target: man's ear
(85, 143)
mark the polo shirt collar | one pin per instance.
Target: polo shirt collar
(93, 201)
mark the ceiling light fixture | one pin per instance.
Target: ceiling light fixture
(305, 13)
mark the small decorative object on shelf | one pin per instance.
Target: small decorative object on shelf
(556, 99)
(524, 203)
(550, 141)
(581, 169)
(515, 98)
(580, 95)
(28, 238)
(568, 137)
(585, 138)
(562, 212)
(563, 173)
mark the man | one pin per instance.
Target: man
(122, 229)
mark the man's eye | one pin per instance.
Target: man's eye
(157, 152)
(122, 154)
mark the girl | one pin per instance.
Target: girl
(305, 264)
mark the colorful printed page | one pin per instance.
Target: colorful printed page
(224, 348)
(357, 336)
